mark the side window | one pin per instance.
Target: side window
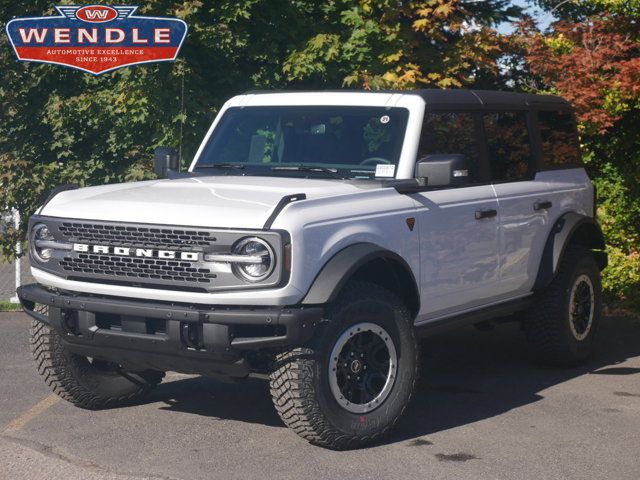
(558, 137)
(451, 132)
(508, 145)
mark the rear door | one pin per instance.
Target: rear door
(459, 225)
(523, 197)
(561, 165)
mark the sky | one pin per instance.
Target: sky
(543, 18)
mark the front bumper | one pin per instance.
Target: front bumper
(143, 334)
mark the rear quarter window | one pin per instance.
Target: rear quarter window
(558, 139)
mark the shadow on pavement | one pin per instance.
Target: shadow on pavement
(246, 401)
(467, 376)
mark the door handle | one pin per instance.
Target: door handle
(543, 205)
(480, 214)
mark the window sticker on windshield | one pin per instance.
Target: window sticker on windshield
(385, 119)
(384, 170)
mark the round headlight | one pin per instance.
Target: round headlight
(260, 259)
(41, 233)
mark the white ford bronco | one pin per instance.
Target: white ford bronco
(314, 238)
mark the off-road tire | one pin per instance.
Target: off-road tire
(300, 386)
(547, 323)
(75, 379)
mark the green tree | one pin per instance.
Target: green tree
(400, 45)
(63, 126)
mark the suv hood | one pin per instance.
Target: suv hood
(228, 202)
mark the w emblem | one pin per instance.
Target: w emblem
(97, 15)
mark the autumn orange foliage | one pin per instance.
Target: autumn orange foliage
(595, 65)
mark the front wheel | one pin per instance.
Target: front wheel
(350, 386)
(86, 382)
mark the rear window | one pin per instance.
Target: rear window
(508, 145)
(559, 141)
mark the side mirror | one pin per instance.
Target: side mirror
(165, 160)
(443, 170)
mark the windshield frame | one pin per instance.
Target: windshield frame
(310, 169)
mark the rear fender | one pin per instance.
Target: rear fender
(570, 228)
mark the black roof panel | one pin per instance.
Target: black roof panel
(488, 99)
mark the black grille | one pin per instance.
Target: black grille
(173, 260)
(137, 268)
(151, 237)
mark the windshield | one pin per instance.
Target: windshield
(309, 141)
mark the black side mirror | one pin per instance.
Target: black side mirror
(443, 170)
(165, 160)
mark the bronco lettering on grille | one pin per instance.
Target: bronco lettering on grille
(135, 252)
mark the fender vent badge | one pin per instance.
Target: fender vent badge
(411, 222)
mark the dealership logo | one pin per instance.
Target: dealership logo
(96, 38)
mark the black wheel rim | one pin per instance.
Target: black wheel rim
(581, 307)
(362, 367)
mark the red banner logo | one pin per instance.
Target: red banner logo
(96, 38)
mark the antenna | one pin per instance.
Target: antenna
(182, 115)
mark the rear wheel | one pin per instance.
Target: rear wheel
(86, 382)
(562, 324)
(350, 386)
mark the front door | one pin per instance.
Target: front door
(458, 249)
(458, 226)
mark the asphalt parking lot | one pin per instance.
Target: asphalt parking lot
(483, 410)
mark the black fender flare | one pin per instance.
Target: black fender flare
(344, 264)
(569, 228)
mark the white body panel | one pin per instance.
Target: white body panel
(523, 232)
(225, 202)
(459, 254)
(570, 190)
(319, 228)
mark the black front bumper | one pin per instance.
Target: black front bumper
(143, 334)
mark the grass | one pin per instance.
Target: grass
(9, 307)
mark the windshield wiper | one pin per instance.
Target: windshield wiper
(333, 173)
(236, 166)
